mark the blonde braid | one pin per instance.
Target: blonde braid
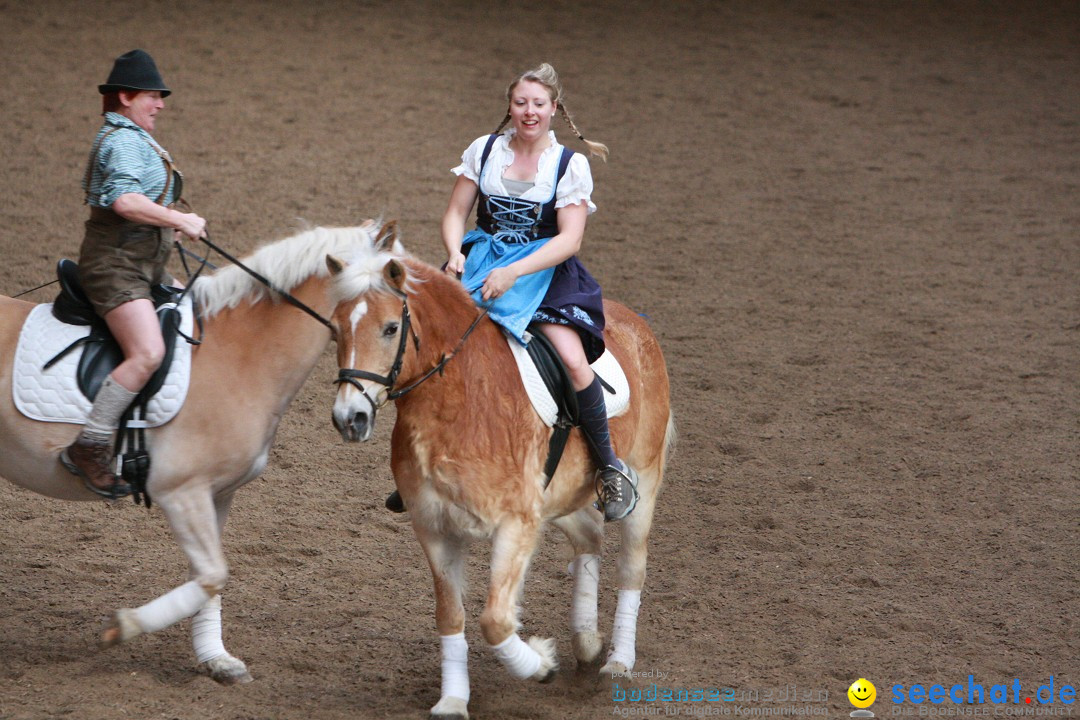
(595, 148)
(545, 75)
(502, 124)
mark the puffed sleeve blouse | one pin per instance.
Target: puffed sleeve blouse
(575, 187)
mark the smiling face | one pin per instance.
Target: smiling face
(862, 693)
(531, 108)
(141, 107)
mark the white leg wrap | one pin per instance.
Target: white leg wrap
(455, 666)
(586, 571)
(624, 634)
(520, 659)
(206, 631)
(172, 607)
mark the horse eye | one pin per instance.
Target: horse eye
(390, 330)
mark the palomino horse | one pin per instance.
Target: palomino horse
(468, 453)
(255, 355)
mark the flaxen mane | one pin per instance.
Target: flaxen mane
(285, 263)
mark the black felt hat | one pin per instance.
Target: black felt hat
(134, 70)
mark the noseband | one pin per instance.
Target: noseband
(348, 375)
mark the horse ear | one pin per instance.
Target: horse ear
(335, 266)
(387, 236)
(394, 274)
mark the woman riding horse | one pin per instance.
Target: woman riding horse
(522, 258)
(131, 185)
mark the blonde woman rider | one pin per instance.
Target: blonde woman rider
(534, 198)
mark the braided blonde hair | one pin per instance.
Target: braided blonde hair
(545, 75)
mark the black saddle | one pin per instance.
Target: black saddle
(557, 379)
(554, 374)
(101, 353)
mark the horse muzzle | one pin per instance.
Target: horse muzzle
(354, 416)
(355, 427)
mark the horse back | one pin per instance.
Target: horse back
(13, 314)
(644, 426)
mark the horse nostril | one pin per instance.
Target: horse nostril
(360, 424)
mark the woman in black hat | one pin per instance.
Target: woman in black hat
(131, 185)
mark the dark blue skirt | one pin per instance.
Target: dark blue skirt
(574, 299)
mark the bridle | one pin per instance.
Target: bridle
(349, 375)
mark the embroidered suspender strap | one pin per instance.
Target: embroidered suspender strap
(169, 170)
(93, 161)
(165, 159)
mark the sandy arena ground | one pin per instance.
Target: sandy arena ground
(854, 227)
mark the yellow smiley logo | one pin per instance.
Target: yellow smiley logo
(862, 693)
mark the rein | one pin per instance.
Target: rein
(347, 375)
(286, 296)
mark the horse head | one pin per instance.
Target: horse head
(373, 327)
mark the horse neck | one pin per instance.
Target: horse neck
(270, 340)
(443, 313)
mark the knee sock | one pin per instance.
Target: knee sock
(593, 416)
(109, 405)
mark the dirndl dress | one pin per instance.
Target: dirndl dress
(509, 229)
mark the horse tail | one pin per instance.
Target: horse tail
(671, 437)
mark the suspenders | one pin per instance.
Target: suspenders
(170, 169)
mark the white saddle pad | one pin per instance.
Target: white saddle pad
(607, 367)
(53, 395)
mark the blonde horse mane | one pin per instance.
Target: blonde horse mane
(288, 262)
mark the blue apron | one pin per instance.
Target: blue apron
(509, 229)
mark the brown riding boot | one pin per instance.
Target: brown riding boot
(93, 462)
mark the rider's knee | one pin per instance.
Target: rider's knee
(581, 374)
(149, 357)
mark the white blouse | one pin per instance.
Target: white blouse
(576, 184)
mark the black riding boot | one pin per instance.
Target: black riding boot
(616, 483)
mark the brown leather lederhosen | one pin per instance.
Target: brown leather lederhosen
(119, 259)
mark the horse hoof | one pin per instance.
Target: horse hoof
(614, 668)
(227, 670)
(121, 628)
(587, 646)
(450, 708)
(549, 661)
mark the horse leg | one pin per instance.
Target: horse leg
(585, 531)
(210, 651)
(513, 545)
(446, 557)
(192, 517)
(633, 553)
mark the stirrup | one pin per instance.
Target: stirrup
(119, 489)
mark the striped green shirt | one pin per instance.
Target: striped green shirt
(125, 162)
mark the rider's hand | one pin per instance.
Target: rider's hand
(455, 264)
(498, 282)
(192, 225)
